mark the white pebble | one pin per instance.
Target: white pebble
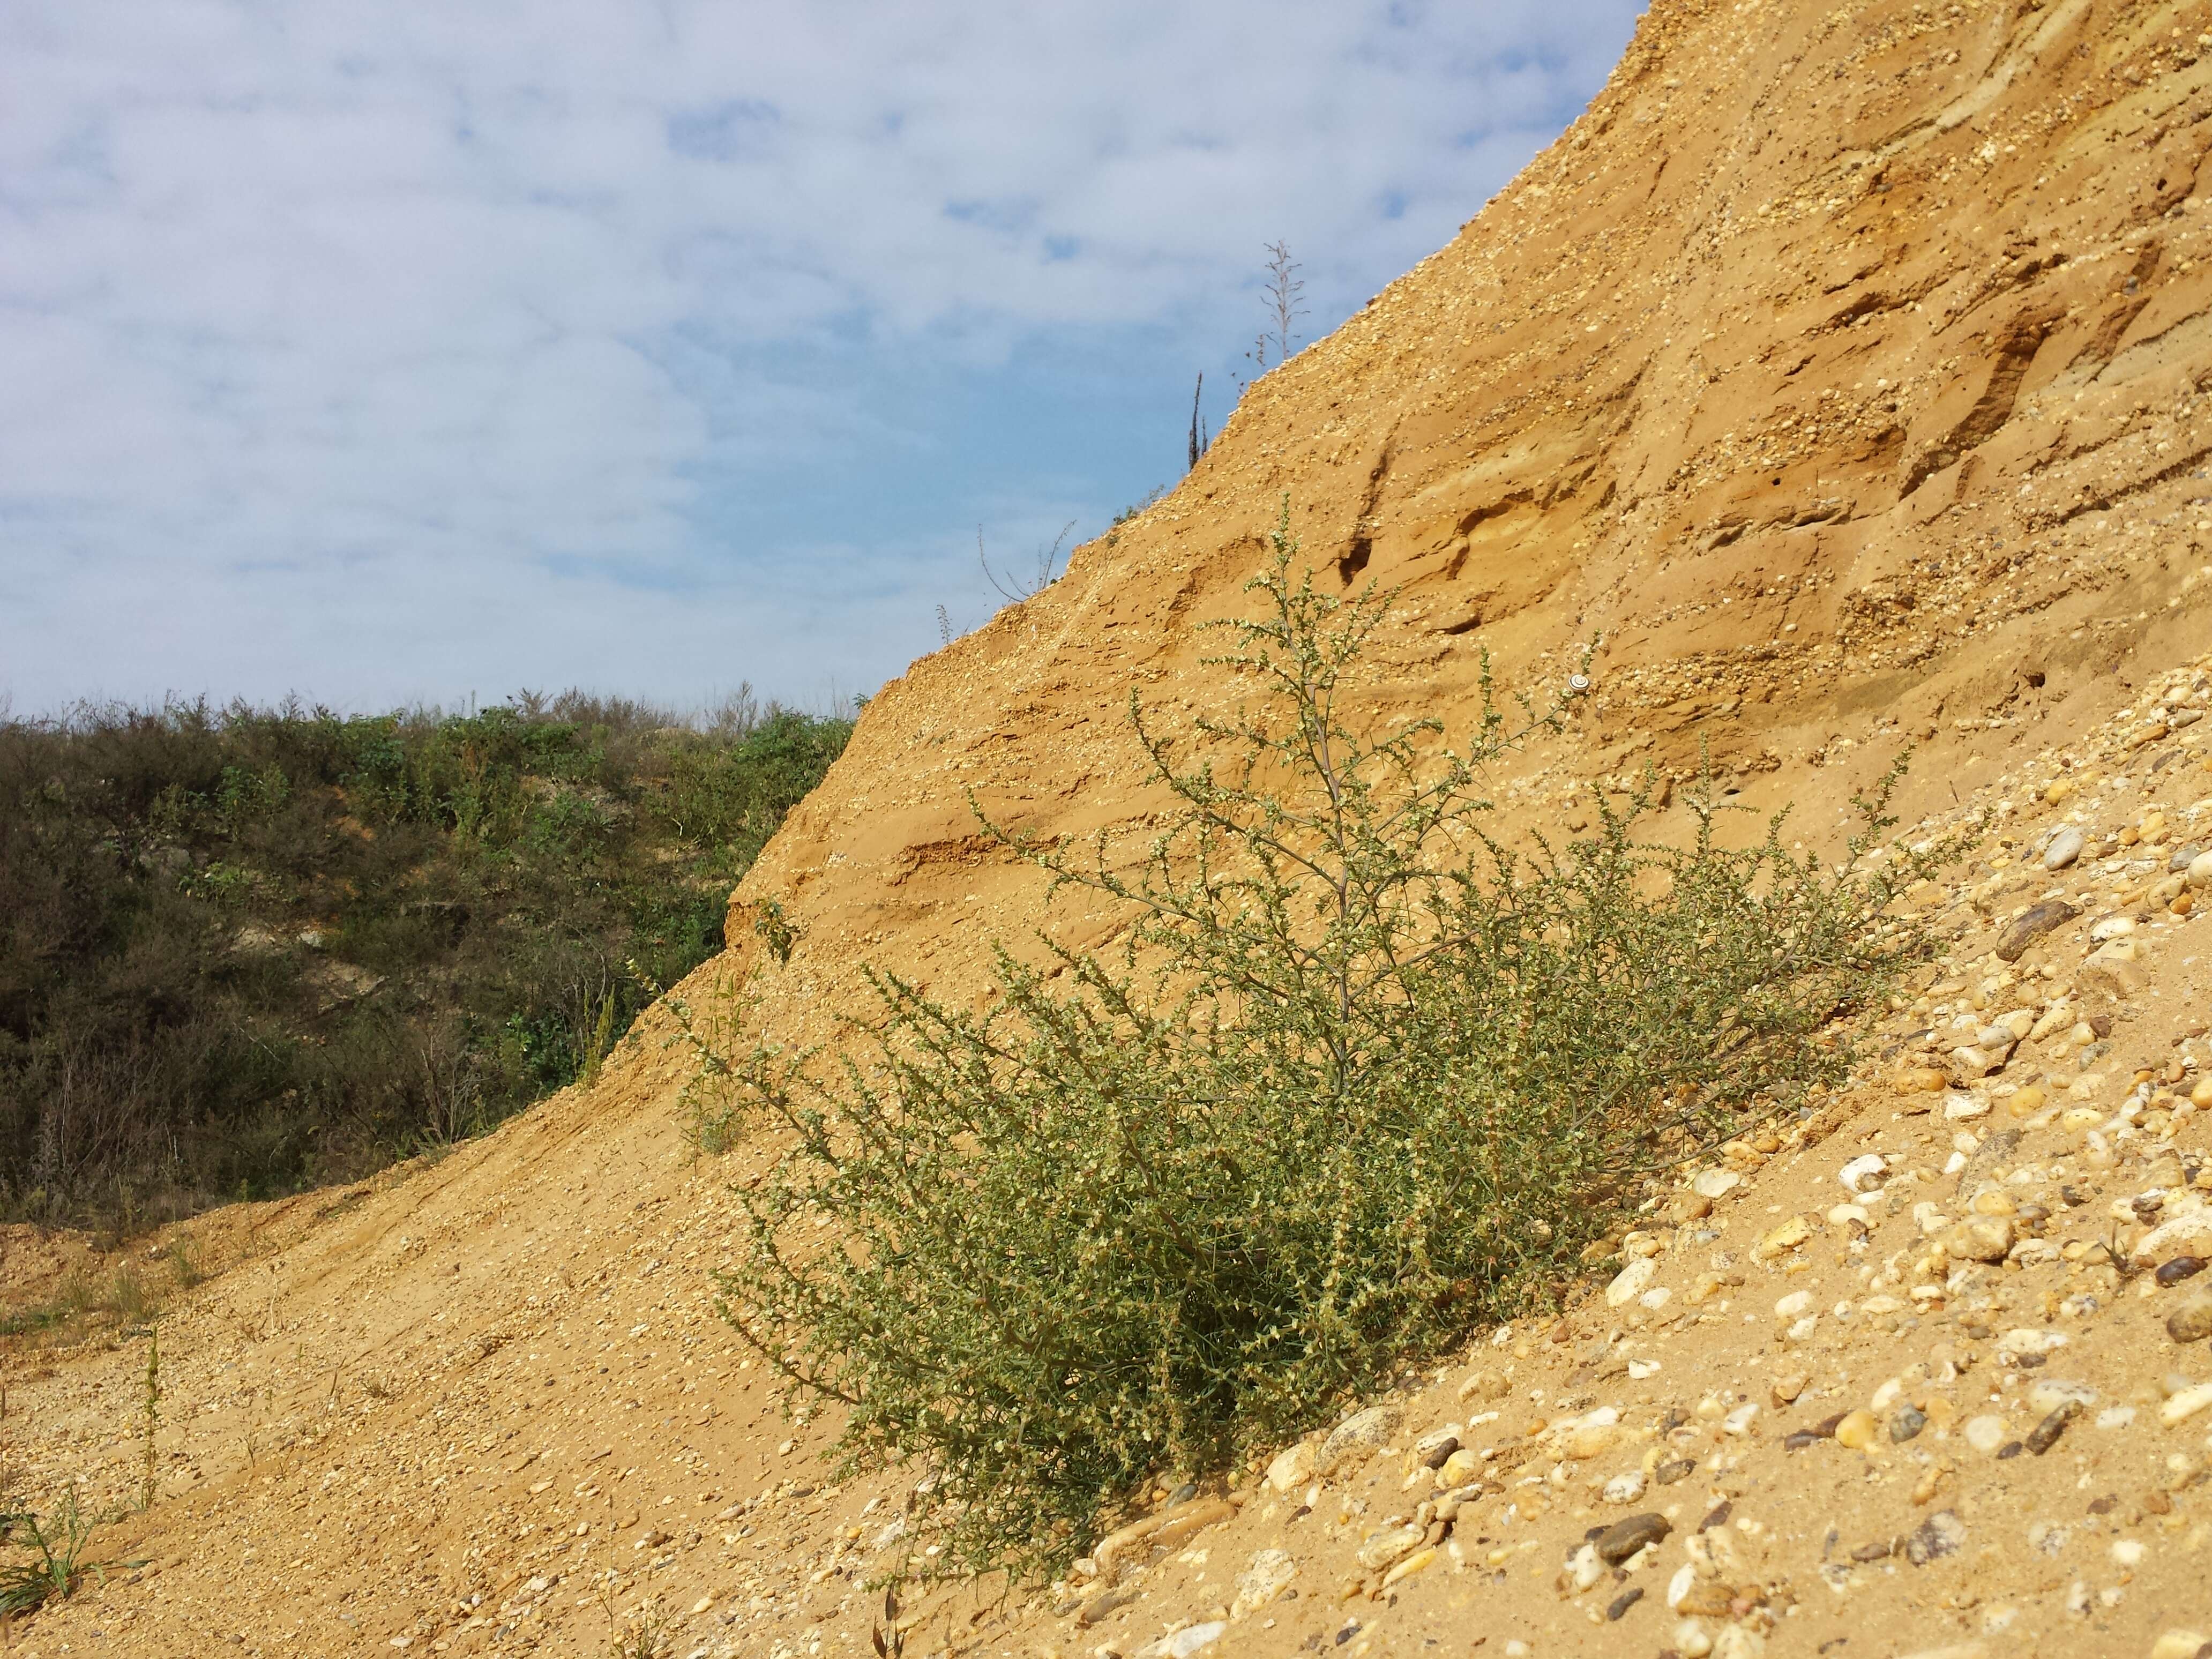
(2186, 1404)
(1625, 1488)
(1630, 1282)
(1985, 1433)
(1855, 1174)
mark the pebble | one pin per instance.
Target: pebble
(1484, 1385)
(1906, 1424)
(2178, 1644)
(1389, 1545)
(2192, 1321)
(1860, 1431)
(1266, 1576)
(1184, 1643)
(1716, 1183)
(1987, 1240)
(2030, 926)
(1630, 1282)
(1625, 1488)
(1691, 1639)
(1624, 1538)
(1585, 1569)
(1461, 1466)
(1863, 1173)
(1940, 1534)
(1984, 1433)
(2200, 869)
(1293, 1467)
(1359, 1434)
(2185, 1403)
(2044, 1435)
(1433, 1449)
(2065, 847)
(1780, 1241)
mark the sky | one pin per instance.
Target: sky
(424, 352)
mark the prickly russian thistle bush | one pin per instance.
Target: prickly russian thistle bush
(1364, 1075)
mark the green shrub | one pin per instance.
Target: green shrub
(243, 951)
(1365, 1076)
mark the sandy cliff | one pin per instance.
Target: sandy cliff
(1838, 373)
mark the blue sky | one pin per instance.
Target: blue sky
(387, 353)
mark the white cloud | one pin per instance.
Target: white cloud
(382, 351)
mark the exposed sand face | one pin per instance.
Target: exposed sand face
(1839, 372)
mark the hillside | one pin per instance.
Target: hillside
(1838, 373)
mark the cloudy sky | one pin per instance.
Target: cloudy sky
(382, 353)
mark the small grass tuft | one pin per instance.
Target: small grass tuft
(56, 1543)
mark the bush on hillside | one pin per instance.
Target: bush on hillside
(1366, 1076)
(244, 950)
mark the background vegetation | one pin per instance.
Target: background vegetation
(1366, 1076)
(243, 951)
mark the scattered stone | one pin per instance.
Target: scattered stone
(1622, 1603)
(1989, 1239)
(1292, 1466)
(2179, 1644)
(1265, 1577)
(1859, 1430)
(1624, 1538)
(1484, 1385)
(1625, 1488)
(1864, 1173)
(1388, 1545)
(2064, 847)
(1985, 1433)
(1196, 1639)
(1630, 1282)
(2044, 1435)
(1420, 1561)
(1716, 1183)
(1431, 1451)
(1359, 1435)
(1940, 1534)
(2192, 1321)
(2030, 925)
(2185, 1403)
(1668, 1473)
(1102, 1605)
(1996, 1150)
